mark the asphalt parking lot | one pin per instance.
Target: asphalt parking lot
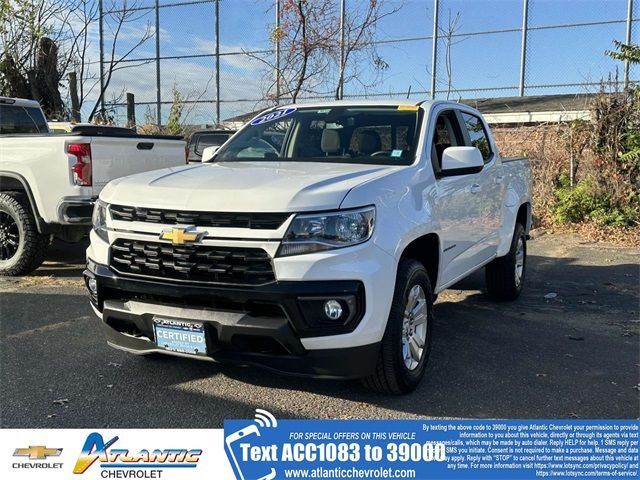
(575, 354)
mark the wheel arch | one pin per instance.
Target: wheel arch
(13, 182)
(426, 250)
(523, 217)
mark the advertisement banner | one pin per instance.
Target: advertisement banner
(431, 449)
(266, 448)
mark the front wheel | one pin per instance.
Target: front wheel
(22, 247)
(504, 276)
(406, 344)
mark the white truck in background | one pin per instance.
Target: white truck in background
(48, 183)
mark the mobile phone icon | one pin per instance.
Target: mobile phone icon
(240, 435)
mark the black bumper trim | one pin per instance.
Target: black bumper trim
(337, 363)
(284, 296)
(136, 318)
(233, 336)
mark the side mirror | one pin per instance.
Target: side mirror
(461, 161)
(208, 153)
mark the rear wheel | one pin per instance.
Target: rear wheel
(505, 275)
(22, 247)
(406, 344)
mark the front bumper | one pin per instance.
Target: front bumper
(262, 326)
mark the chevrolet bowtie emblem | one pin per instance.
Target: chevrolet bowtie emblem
(37, 452)
(182, 235)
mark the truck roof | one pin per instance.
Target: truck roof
(19, 102)
(358, 103)
(426, 104)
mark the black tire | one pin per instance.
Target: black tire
(500, 275)
(17, 224)
(392, 375)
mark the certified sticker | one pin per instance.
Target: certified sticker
(275, 115)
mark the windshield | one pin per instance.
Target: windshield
(379, 135)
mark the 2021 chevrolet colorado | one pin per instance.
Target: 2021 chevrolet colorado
(49, 183)
(315, 243)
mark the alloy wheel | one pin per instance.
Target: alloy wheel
(414, 327)
(9, 236)
(519, 268)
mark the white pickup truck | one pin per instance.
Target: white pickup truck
(48, 183)
(315, 241)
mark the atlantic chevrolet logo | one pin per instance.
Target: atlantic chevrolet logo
(40, 454)
(37, 452)
(182, 235)
(144, 463)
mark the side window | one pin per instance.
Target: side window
(15, 119)
(38, 118)
(477, 135)
(446, 134)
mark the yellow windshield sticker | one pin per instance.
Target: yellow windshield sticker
(410, 108)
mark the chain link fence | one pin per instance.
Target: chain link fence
(217, 55)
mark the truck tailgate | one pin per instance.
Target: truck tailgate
(115, 157)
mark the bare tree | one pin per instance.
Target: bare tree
(306, 36)
(117, 17)
(43, 40)
(81, 27)
(309, 37)
(360, 52)
(192, 99)
(449, 34)
(31, 64)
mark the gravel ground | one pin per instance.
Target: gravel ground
(568, 348)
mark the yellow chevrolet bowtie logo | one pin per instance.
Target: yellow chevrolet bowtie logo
(180, 236)
(37, 452)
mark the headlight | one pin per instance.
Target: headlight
(99, 220)
(326, 231)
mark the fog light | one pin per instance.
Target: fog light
(333, 309)
(92, 284)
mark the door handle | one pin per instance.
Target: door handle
(475, 188)
(499, 178)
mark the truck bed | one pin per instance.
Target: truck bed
(43, 163)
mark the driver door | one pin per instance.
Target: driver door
(457, 207)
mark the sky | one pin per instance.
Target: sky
(482, 65)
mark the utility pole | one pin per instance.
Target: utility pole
(342, 45)
(277, 38)
(523, 46)
(131, 111)
(101, 34)
(158, 94)
(434, 49)
(628, 41)
(217, 13)
(73, 93)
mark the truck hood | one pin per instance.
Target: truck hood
(244, 186)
